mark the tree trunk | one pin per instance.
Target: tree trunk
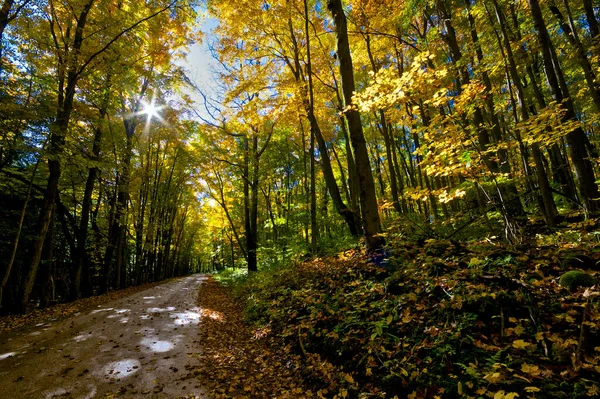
(58, 132)
(4, 19)
(384, 129)
(368, 199)
(251, 200)
(558, 164)
(44, 278)
(85, 289)
(513, 203)
(576, 139)
(591, 19)
(250, 238)
(548, 207)
(349, 216)
(13, 253)
(580, 53)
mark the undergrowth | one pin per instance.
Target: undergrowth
(450, 321)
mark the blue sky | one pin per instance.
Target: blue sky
(200, 64)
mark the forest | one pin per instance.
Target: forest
(351, 168)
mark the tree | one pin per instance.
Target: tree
(368, 200)
(576, 139)
(75, 54)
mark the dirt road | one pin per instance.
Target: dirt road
(141, 346)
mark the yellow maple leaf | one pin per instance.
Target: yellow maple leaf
(493, 378)
(520, 344)
(502, 395)
(530, 369)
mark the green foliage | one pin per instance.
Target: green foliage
(229, 276)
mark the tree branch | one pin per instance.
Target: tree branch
(114, 39)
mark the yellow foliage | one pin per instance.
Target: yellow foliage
(520, 344)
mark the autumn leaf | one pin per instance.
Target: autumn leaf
(520, 344)
(349, 378)
(532, 389)
(530, 369)
(503, 395)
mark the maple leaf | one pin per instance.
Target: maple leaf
(530, 369)
(520, 344)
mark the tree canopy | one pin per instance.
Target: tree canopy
(331, 122)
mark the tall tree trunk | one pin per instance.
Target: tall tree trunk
(314, 232)
(122, 208)
(110, 246)
(591, 19)
(141, 217)
(580, 53)
(576, 139)
(558, 164)
(250, 238)
(306, 184)
(44, 278)
(251, 200)
(369, 208)
(68, 76)
(547, 201)
(349, 216)
(78, 289)
(4, 19)
(13, 253)
(352, 175)
(513, 203)
(389, 152)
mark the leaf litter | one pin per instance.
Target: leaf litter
(237, 361)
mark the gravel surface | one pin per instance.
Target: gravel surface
(141, 346)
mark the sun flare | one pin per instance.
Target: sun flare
(152, 111)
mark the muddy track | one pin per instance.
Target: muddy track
(141, 346)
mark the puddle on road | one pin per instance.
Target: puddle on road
(82, 337)
(187, 317)
(121, 368)
(60, 392)
(118, 313)
(100, 310)
(160, 310)
(7, 355)
(156, 345)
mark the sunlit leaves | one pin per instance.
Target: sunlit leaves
(547, 127)
(420, 82)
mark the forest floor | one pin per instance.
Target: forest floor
(442, 320)
(238, 360)
(144, 344)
